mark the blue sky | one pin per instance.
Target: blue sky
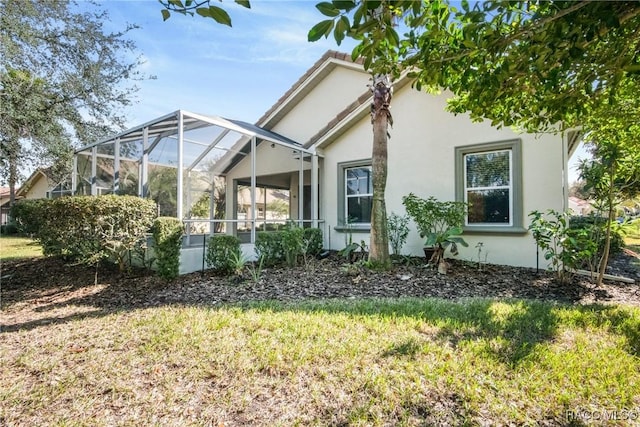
(201, 66)
(204, 67)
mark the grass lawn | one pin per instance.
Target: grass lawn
(356, 362)
(12, 247)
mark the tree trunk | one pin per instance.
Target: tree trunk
(607, 239)
(13, 153)
(381, 119)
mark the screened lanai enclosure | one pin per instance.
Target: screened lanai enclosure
(217, 175)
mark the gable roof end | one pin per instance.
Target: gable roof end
(314, 75)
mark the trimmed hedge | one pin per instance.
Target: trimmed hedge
(29, 215)
(221, 252)
(167, 238)
(87, 228)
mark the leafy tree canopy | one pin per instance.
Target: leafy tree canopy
(73, 75)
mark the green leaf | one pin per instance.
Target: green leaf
(392, 36)
(320, 29)
(165, 14)
(373, 4)
(342, 26)
(344, 4)
(244, 3)
(204, 12)
(220, 15)
(177, 3)
(327, 9)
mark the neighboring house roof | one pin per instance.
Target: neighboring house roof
(4, 195)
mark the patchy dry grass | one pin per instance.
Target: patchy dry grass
(12, 247)
(359, 362)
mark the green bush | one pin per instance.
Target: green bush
(87, 228)
(29, 215)
(274, 247)
(8, 229)
(222, 251)
(269, 247)
(398, 229)
(292, 244)
(596, 227)
(313, 241)
(566, 249)
(167, 237)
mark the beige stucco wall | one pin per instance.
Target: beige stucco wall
(333, 94)
(38, 189)
(421, 160)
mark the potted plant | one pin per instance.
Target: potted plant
(440, 223)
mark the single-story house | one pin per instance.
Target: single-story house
(4, 205)
(315, 145)
(41, 184)
(579, 206)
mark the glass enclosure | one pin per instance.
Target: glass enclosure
(217, 175)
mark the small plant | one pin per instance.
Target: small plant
(311, 246)
(565, 248)
(292, 244)
(255, 270)
(352, 250)
(238, 261)
(355, 251)
(398, 228)
(440, 223)
(222, 251)
(479, 247)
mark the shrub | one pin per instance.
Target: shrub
(292, 244)
(222, 250)
(566, 249)
(596, 227)
(312, 238)
(398, 227)
(167, 237)
(87, 228)
(29, 215)
(8, 229)
(288, 245)
(269, 247)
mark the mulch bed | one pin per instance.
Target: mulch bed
(45, 290)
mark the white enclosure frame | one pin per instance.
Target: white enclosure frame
(153, 132)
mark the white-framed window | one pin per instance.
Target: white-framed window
(488, 187)
(489, 179)
(358, 194)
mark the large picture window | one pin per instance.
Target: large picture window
(355, 195)
(488, 178)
